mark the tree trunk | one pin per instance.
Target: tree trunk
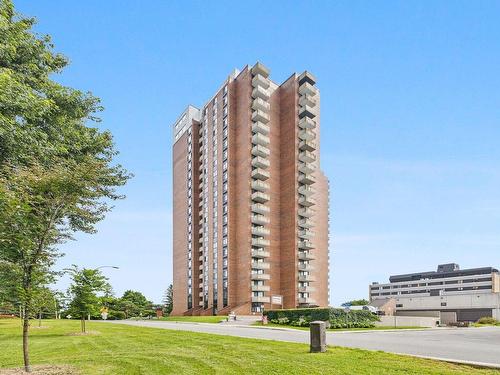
(26, 326)
(83, 323)
(39, 319)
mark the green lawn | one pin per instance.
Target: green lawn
(121, 349)
(336, 329)
(194, 319)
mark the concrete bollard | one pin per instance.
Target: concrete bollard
(318, 337)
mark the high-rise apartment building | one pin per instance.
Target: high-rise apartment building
(250, 201)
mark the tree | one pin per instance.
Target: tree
(44, 301)
(168, 300)
(356, 302)
(83, 292)
(134, 303)
(57, 174)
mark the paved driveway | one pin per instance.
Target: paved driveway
(468, 345)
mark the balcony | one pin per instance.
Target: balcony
(261, 116)
(259, 276)
(260, 80)
(305, 255)
(200, 231)
(260, 220)
(260, 231)
(307, 145)
(260, 69)
(261, 104)
(305, 245)
(307, 168)
(306, 278)
(200, 294)
(261, 288)
(200, 303)
(260, 186)
(200, 276)
(307, 157)
(307, 135)
(306, 212)
(200, 285)
(261, 140)
(260, 174)
(260, 208)
(307, 89)
(307, 100)
(260, 92)
(306, 234)
(307, 111)
(260, 253)
(305, 267)
(260, 151)
(306, 223)
(200, 267)
(260, 197)
(307, 179)
(261, 299)
(200, 258)
(307, 123)
(306, 190)
(307, 201)
(307, 77)
(260, 242)
(260, 162)
(306, 289)
(260, 265)
(306, 301)
(260, 127)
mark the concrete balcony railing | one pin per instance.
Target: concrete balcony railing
(260, 220)
(260, 186)
(307, 77)
(260, 127)
(261, 288)
(307, 145)
(260, 253)
(260, 174)
(307, 157)
(306, 278)
(260, 80)
(306, 234)
(307, 201)
(200, 285)
(260, 162)
(261, 299)
(200, 231)
(260, 92)
(306, 301)
(200, 276)
(306, 223)
(306, 212)
(259, 208)
(261, 140)
(260, 69)
(306, 190)
(307, 179)
(307, 123)
(307, 168)
(307, 89)
(260, 197)
(307, 135)
(307, 100)
(200, 258)
(260, 151)
(307, 111)
(305, 255)
(200, 267)
(259, 276)
(261, 116)
(260, 231)
(261, 105)
(200, 303)
(305, 267)
(305, 245)
(260, 265)
(200, 294)
(260, 242)
(306, 289)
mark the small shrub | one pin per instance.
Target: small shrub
(488, 320)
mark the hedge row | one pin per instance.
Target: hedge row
(338, 318)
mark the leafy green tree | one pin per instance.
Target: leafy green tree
(57, 174)
(168, 300)
(356, 302)
(44, 302)
(84, 289)
(134, 303)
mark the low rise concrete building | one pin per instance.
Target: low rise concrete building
(458, 295)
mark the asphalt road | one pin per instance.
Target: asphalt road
(467, 345)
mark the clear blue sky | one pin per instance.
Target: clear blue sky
(410, 120)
